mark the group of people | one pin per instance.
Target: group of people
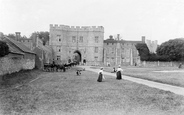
(118, 74)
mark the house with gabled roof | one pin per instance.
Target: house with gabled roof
(44, 53)
(19, 58)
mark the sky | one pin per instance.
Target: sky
(156, 19)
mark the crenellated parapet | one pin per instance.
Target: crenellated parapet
(77, 28)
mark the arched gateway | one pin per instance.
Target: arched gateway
(77, 56)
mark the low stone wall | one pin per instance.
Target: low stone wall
(10, 65)
(160, 64)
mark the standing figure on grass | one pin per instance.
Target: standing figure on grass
(114, 70)
(180, 65)
(118, 73)
(100, 75)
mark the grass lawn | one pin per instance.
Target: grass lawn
(59, 93)
(154, 74)
(19, 78)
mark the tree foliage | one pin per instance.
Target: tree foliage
(143, 51)
(4, 49)
(44, 36)
(172, 50)
(12, 36)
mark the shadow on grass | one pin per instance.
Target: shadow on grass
(18, 78)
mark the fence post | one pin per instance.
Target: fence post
(171, 64)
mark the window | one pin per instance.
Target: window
(81, 39)
(58, 57)
(73, 39)
(96, 49)
(96, 58)
(96, 39)
(59, 48)
(59, 37)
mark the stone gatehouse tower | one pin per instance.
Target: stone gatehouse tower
(87, 41)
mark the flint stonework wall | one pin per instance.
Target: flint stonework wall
(10, 65)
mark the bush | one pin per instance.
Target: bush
(153, 57)
(164, 58)
(4, 49)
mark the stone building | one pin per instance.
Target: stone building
(86, 41)
(121, 52)
(44, 53)
(19, 58)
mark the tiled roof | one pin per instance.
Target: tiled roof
(20, 46)
(120, 41)
(45, 48)
(12, 49)
(110, 41)
(124, 41)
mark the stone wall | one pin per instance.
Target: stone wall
(160, 64)
(12, 64)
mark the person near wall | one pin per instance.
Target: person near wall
(118, 73)
(180, 65)
(100, 75)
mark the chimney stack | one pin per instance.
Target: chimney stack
(17, 36)
(111, 37)
(118, 36)
(143, 39)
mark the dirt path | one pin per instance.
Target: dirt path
(166, 87)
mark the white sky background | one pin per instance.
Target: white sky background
(156, 19)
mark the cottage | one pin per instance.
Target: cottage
(20, 57)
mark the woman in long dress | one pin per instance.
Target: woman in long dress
(100, 75)
(118, 73)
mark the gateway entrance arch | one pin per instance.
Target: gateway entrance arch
(77, 56)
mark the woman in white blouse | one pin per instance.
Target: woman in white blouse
(100, 75)
(118, 73)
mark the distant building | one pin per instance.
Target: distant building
(120, 52)
(86, 41)
(152, 45)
